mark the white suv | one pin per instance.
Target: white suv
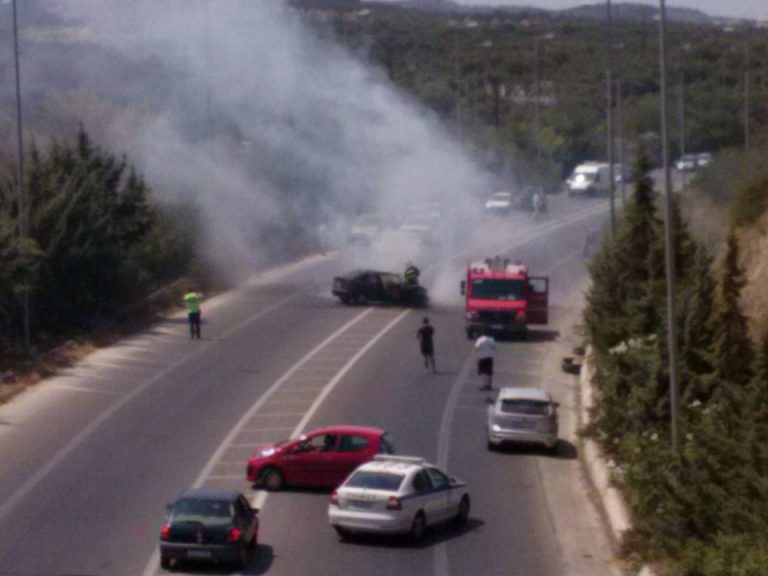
(397, 495)
(523, 415)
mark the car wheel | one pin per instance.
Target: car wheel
(344, 299)
(418, 527)
(470, 334)
(165, 563)
(491, 446)
(342, 532)
(361, 299)
(463, 514)
(272, 479)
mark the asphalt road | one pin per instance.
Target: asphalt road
(90, 458)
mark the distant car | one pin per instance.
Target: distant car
(499, 203)
(364, 286)
(397, 495)
(703, 159)
(523, 415)
(688, 163)
(209, 525)
(589, 179)
(323, 458)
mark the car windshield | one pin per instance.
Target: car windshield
(505, 196)
(208, 512)
(375, 480)
(527, 407)
(497, 289)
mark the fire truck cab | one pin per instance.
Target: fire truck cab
(502, 298)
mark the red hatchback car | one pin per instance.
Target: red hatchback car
(324, 457)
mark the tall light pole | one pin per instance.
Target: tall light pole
(609, 113)
(674, 394)
(746, 96)
(537, 87)
(620, 120)
(681, 112)
(20, 177)
(457, 80)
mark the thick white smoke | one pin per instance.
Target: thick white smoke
(242, 108)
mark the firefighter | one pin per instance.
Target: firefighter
(411, 276)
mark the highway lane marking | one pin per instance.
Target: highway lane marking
(260, 498)
(15, 499)
(81, 389)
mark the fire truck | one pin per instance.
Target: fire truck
(502, 298)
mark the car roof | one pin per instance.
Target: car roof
(356, 273)
(346, 429)
(525, 394)
(394, 464)
(210, 494)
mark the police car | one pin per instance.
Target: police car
(397, 495)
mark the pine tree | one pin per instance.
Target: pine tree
(731, 353)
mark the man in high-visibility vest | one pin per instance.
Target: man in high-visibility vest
(411, 276)
(192, 301)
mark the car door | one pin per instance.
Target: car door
(422, 496)
(310, 462)
(442, 501)
(538, 300)
(353, 450)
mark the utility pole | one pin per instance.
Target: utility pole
(674, 394)
(609, 114)
(746, 96)
(681, 113)
(457, 79)
(536, 93)
(20, 179)
(496, 88)
(622, 147)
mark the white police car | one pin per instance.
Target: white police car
(397, 495)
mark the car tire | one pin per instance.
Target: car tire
(463, 514)
(418, 527)
(344, 299)
(470, 334)
(360, 299)
(272, 479)
(342, 532)
(165, 564)
(491, 446)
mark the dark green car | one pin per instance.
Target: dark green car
(217, 526)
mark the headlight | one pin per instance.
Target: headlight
(267, 452)
(496, 428)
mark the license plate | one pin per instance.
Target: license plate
(198, 553)
(362, 503)
(497, 326)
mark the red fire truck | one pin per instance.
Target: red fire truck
(502, 298)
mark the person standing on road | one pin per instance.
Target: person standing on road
(192, 301)
(426, 339)
(485, 345)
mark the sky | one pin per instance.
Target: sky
(732, 8)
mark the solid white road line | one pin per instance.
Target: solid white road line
(15, 499)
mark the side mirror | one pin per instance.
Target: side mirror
(463, 287)
(255, 510)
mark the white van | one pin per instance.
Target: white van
(589, 179)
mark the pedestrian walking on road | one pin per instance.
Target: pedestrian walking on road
(426, 338)
(485, 346)
(192, 301)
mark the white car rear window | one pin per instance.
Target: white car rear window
(375, 480)
(527, 407)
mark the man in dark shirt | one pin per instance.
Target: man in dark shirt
(425, 336)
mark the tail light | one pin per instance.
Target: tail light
(472, 315)
(234, 535)
(334, 498)
(394, 503)
(165, 532)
